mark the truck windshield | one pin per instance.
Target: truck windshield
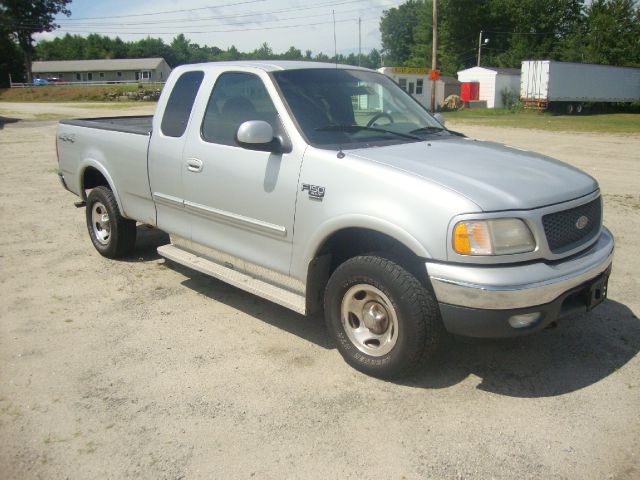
(353, 108)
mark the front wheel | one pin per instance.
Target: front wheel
(384, 321)
(112, 235)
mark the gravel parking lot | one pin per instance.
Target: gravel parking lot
(136, 368)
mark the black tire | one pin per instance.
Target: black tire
(570, 108)
(116, 236)
(419, 327)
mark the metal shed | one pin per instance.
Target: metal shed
(493, 81)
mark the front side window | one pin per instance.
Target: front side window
(343, 108)
(178, 109)
(237, 98)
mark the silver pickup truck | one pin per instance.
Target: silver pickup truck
(327, 187)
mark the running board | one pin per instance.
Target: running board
(241, 280)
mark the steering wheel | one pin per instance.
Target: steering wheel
(377, 117)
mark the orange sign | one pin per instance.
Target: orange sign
(434, 74)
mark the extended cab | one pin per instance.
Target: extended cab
(324, 187)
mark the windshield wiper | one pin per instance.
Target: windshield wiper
(358, 128)
(428, 130)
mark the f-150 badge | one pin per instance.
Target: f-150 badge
(315, 191)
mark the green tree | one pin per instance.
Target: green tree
(608, 34)
(25, 18)
(398, 29)
(10, 60)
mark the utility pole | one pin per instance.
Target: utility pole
(479, 47)
(434, 52)
(359, 39)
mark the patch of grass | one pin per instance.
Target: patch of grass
(496, 117)
(70, 93)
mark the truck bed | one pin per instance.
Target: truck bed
(138, 125)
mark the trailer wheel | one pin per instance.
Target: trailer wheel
(570, 108)
(112, 235)
(579, 108)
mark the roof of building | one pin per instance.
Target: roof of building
(118, 64)
(499, 70)
(504, 71)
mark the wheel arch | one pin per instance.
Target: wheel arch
(337, 245)
(93, 174)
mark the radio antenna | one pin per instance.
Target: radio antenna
(335, 43)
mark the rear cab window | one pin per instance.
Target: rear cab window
(180, 103)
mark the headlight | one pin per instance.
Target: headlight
(501, 236)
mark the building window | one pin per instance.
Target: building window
(119, 74)
(419, 85)
(411, 88)
(146, 75)
(160, 74)
(403, 83)
(78, 77)
(89, 76)
(101, 74)
(61, 76)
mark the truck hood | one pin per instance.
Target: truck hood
(493, 176)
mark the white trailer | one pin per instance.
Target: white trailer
(549, 84)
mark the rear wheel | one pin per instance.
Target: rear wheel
(384, 321)
(570, 108)
(112, 235)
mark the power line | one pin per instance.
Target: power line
(173, 21)
(167, 11)
(217, 31)
(247, 22)
(223, 17)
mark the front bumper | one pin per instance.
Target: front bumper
(480, 300)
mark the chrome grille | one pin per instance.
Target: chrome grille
(569, 229)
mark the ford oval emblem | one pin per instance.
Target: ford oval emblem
(582, 222)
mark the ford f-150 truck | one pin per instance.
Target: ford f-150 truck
(328, 188)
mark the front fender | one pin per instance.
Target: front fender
(325, 230)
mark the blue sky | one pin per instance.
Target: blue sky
(243, 23)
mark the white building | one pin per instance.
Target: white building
(492, 82)
(110, 70)
(415, 81)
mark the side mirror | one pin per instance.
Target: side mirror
(439, 118)
(256, 135)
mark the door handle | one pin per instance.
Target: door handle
(194, 165)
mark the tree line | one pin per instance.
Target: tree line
(603, 31)
(180, 51)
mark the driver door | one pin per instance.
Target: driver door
(241, 202)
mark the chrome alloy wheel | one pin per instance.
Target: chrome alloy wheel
(369, 320)
(100, 223)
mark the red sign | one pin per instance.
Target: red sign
(434, 74)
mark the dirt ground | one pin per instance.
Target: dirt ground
(136, 368)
